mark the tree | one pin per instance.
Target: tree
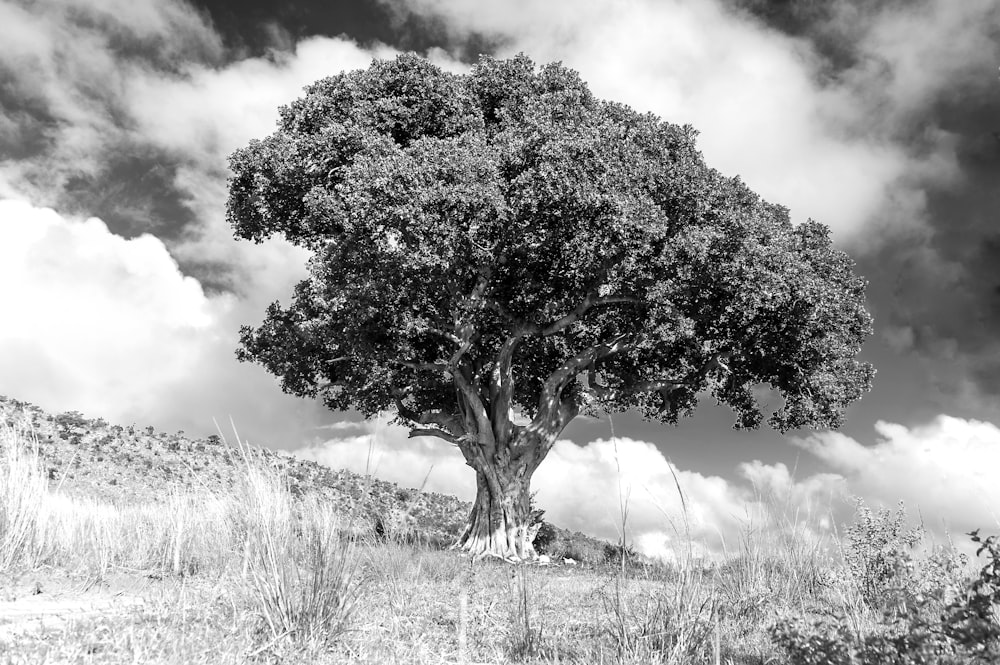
(498, 252)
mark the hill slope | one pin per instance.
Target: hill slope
(92, 458)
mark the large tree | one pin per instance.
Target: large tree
(498, 252)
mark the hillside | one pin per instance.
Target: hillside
(93, 458)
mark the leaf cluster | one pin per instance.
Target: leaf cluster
(449, 214)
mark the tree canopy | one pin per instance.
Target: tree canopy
(503, 242)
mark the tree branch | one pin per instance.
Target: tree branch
(467, 333)
(665, 387)
(470, 396)
(591, 301)
(442, 419)
(427, 367)
(502, 387)
(433, 431)
(447, 334)
(554, 413)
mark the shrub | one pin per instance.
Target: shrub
(70, 420)
(544, 538)
(877, 552)
(613, 554)
(544, 532)
(965, 632)
(972, 619)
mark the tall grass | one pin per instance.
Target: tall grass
(676, 620)
(303, 572)
(38, 526)
(22, 490)
(298, 572)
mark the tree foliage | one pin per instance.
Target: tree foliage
(448, 212)
(504, 242)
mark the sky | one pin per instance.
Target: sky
(123, 290)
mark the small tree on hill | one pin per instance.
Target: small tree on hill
(497, 252)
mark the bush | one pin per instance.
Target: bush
(965, 632)
(613, 554)
(544, 538)
(544, 532)
(877, 553)
(972, 620)
(70, 420)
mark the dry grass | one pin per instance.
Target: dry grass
(22, 489)
(301, 571)
(286, 575)
(256, 574)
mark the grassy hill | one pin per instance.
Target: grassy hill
(92, 458)
(125, 546)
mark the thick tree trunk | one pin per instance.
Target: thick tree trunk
(500, 518)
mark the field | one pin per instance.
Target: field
(136, 547)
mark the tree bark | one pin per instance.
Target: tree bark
(500, 518)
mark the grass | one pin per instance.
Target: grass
(259, 571)
(287, 575)
(302, 573)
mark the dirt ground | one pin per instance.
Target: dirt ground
(50, 601)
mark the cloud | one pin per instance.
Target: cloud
(924, 76)
(752, 92)
(584, 488)
(911, 54)
(66, 65)
(212, 112)
(128, 111)
(117, 121)
(109, 326)
(942, 471)
(876, 118)
(385, 451)
(946, 469)
(97, 322)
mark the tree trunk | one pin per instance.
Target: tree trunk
(500, 518)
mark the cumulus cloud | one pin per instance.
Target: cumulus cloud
(95, 321)
(212, 112)
(109, 326)
(585, 488)
(385, 451)
(942, 471)
(66, 65)
(111, 109)
(946, 469)
(753, 92)
(910, 54)
(129, 110)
